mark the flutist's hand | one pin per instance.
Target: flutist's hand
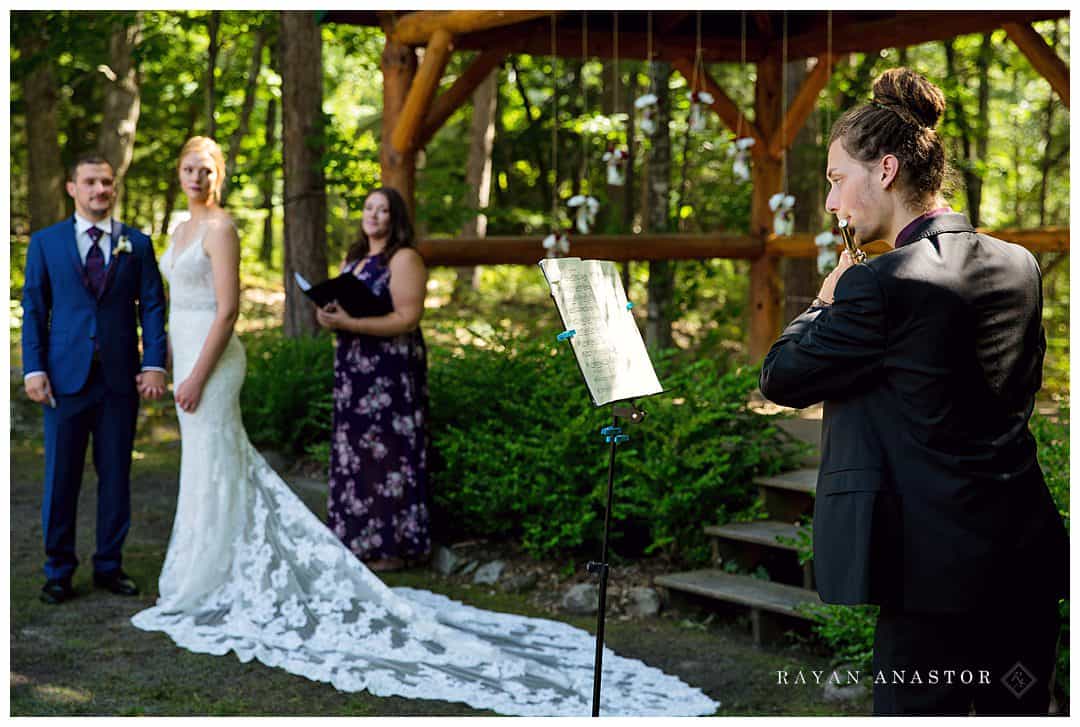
(828, 286)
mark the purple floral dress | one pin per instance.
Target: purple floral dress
(378, 459)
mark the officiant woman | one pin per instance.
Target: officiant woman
(378, 500)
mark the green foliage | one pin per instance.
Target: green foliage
(848, 631)
(519, 453)
(287, 399)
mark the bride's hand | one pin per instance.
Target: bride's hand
(187, 394)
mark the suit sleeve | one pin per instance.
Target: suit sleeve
(831, 352)
(36, 303)
(152, 310)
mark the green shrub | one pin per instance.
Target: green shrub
(287, 399)
(519, 453)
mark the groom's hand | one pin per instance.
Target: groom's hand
(39, 389)
(151, 384)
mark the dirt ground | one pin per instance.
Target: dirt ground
(85, 658)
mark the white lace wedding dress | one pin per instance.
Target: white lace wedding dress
(250, 569)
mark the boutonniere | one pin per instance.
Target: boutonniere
(123, 245)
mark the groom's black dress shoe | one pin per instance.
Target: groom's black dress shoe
(55, 592)
(117, 582)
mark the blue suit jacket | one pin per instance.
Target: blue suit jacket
(62, 319)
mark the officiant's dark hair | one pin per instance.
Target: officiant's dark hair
(87, 158)
(401, 230)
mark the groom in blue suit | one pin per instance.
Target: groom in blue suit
(90, 283)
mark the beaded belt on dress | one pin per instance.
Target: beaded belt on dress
(187, 305)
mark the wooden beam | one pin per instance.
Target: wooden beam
(722, 104)
(535, 40)
(460, 92)
(1044, 239)
(417, 28)
(422, 91)
(527, 249)
(1042, 56)
(851, 34)
(802, 105)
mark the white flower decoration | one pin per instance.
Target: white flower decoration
(783, 217)
(557, 244)
(647, 104)
(698, 118)
(615, 158)
(123, 245)
(740, 150)
(587, 208)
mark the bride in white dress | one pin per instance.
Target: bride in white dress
(250, 569)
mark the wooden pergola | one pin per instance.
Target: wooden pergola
(414, 109)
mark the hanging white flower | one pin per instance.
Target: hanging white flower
(556, 244)
(698, 118)
(827, 258)
(740, 150)
(647, 105)
(782, 206)
(615, 159)
(587, 207)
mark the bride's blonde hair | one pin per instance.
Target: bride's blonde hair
(206, 144)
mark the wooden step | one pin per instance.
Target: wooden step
(759, 532)
(803, 480)
(741, 589)
(790, 495)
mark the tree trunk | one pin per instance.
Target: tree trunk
(213, 26)
(266, 251)
(805, 165)
(173, 188)
(245, 113)
(302, 150)
(48, 202)
(120, 114)
(766, 306)
(661, 287)
(538, 149)
(478, 171)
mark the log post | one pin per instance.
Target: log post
(765, 303)
(398, 69)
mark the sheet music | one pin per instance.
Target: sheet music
(607, 343)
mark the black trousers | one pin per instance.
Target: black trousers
(997, 660)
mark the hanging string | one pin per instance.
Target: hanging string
(783, 105)
(648, 50)
(699, 62)
(742, 64)
(615, 52)
(829, 59)
(554, 129)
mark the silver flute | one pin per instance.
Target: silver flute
(847, 232)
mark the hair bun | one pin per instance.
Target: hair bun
(904, 88)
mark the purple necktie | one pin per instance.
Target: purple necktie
(95, 262)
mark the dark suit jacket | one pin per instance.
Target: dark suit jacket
(930, 497)
(62, 319)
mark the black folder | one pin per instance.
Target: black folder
(352, 295)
